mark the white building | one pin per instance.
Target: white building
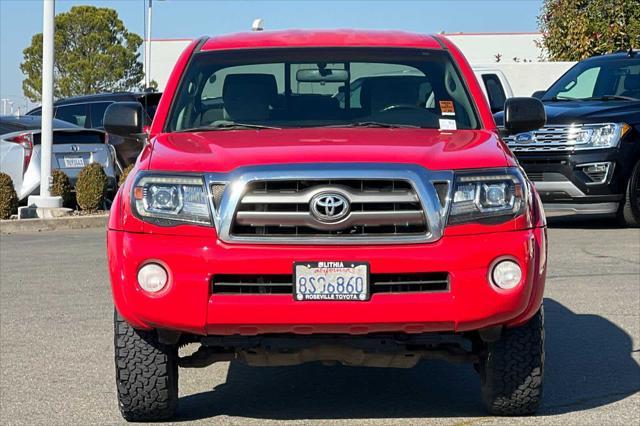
(518, 55)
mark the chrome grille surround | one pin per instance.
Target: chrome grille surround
(550, 138)
(238, 182)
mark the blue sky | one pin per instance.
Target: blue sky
(21, 19)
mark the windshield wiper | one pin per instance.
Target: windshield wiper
(561, 99)
(227, 125)
(376, 124)
(610, 98)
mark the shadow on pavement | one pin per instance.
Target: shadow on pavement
(588, 365)
(583, 222)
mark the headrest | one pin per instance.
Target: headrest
(380, 92)
(247, 97)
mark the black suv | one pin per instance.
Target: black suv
(586, 160)
(88, 112)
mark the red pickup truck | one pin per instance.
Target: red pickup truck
(279, 216)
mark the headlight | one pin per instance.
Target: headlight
(495, 195)
(170, 200)
(598, 136)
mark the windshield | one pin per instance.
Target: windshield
(308, 88)
(606, 79)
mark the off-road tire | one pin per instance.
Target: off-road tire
(146, 374)
(629, 211)
(511, 371)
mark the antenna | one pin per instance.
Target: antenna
(258, 25)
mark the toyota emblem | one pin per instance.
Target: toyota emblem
(329, 207)
(75, 148)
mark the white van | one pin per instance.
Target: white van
(495, 86)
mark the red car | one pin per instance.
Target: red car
(278, 217)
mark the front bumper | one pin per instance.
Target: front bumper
(564, 188)
(188, 304)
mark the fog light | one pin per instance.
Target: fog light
(506, 274)
(152, 277)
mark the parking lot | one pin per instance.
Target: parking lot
(57, 366)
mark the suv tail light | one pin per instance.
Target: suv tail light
(26, 140)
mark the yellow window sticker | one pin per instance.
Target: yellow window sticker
(446, 108)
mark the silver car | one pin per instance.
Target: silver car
(73, 148)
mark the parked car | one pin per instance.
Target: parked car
(88, 112)
(495, 86)
(73, 148)
(271, 225)
(586, 160)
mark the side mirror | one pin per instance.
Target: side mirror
(124, 119)
(523, 115)
(538, 94)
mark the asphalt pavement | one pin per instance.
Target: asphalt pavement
(56, 346)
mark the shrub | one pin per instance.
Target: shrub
(8, 197)
(125, 173)
(61, 186)
(91, 187)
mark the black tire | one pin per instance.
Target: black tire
(146, 374)
(629, 211)
(512, 369)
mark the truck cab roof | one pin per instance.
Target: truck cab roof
(321, 38)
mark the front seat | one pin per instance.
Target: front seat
(248, 97)
(632, 86)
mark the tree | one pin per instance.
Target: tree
(577, 29)
(94, 53)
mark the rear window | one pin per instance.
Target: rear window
(81, 137)
(322, 87)
(8, 128)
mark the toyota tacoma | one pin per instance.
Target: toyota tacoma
(270, 221)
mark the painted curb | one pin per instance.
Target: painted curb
(53, 224)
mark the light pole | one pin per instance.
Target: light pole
(147, 47)
(45, 200)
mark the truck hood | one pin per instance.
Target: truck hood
(582, 112)
(223, 151)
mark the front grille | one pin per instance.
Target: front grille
(552, 138)
(217, 190)
(281, 208)
(252, 284)
(546, 177)
(427, 282)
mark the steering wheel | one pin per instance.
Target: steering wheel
(401, 107)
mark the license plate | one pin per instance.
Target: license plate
(339, 281)
(73, 162)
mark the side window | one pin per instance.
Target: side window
(97, 113)
(495, 92)
(583, 86)
(74, 114)
(628, 82)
